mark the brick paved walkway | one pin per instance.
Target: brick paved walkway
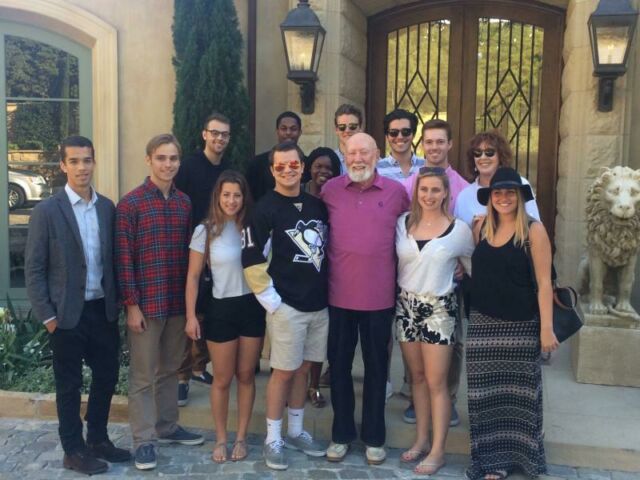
(29, 449)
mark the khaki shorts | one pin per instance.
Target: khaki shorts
(297, 336)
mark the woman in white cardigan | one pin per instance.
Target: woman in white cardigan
(429, 243)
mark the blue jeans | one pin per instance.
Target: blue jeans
(374, 328)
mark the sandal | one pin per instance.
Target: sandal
(239, 451)
(219, 454)
(497, 475)
(412, 455)
(428, 467)
(316, 398)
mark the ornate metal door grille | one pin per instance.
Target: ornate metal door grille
(417, 71)
(508, 86)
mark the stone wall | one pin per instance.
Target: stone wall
(589, 140)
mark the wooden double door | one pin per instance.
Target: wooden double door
(480, 66)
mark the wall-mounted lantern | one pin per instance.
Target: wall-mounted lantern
(303, 37)
(611, 29)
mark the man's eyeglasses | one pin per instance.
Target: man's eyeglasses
(405, 132)
(351, 126)
(293, 165)
(217, 133)
(488, 152)
(432, 171)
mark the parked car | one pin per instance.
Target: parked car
(25, 186)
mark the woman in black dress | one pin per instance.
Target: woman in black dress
(509, 325)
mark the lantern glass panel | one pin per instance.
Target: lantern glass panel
(299, 48)
(612, 44)
(316, 60)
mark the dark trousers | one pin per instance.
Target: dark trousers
(375, 330)
(97, 342)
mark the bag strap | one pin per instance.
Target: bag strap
(206, 246)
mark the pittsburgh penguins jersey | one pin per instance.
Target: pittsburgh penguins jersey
(284, 252)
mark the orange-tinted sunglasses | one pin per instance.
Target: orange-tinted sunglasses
(293, 165)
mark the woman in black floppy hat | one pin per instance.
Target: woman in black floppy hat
(508, 327)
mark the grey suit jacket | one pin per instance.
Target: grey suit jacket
(55, 266)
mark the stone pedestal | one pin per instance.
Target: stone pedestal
(606, 351)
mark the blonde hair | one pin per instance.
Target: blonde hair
(522, 222)
(415, 212)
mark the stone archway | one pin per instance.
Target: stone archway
(85, 28)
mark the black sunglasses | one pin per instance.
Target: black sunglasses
(351, 126)
(405, 132)
(431, 171)
(488, 152)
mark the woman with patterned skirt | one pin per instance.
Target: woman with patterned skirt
(429, 243)
(509, 325)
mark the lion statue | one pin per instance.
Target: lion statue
(613, 241)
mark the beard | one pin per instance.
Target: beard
(361, 175)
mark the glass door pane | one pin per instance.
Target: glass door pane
(508, 87)
(418, 71)
(42, 107)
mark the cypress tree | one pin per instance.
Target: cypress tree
(207, 62)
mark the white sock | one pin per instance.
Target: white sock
(274, 430)
(295, 421)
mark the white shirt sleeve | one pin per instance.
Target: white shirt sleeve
(198, 239)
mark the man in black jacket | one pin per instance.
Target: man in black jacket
(197, 175)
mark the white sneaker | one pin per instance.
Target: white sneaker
(389, 392)
(376, 455)
(337, 451)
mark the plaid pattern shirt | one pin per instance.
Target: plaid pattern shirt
(152, 245)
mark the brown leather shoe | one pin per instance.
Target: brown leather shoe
(84, 462)
(108, 451)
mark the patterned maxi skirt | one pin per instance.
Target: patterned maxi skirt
(504, 380)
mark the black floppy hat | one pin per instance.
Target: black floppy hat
(505, 177)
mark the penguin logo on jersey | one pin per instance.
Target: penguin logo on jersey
(310, 238)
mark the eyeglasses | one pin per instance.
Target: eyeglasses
(351, 126)
(432, 171)
(405, 132)
(293, 165)
(488, 152)
(217, 133)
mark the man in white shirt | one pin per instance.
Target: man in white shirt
(400, 129)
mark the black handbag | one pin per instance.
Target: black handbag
(566, 317)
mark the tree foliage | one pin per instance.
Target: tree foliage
(209, 77)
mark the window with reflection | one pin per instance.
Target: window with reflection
(42, 96)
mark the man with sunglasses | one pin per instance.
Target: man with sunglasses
(400, 128)
(348, 122)
(292, 287)
(288, 129)
(196, 178)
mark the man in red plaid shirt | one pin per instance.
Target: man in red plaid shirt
(152, 238)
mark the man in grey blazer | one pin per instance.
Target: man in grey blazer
(71, 285)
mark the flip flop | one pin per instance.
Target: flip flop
(241, 446)
(217, 449)
(497, 475)
(412, 455)
(429, 468)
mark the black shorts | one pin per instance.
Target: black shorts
(230, 318)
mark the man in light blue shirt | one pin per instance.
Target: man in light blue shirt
(400, 128)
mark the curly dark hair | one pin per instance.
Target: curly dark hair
(495, 139)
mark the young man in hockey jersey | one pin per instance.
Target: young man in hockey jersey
(292, 287)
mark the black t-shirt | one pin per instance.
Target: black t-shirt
(259, 176)
(294, 230)
(196, 178)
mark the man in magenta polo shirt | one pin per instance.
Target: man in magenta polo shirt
(363, 209)
(436, 143)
